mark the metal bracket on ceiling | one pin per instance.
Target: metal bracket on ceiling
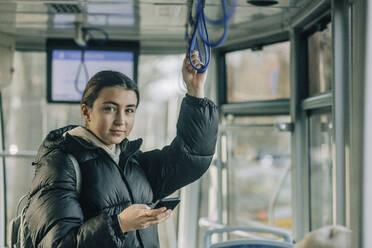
(188, 27)
(79, 38)
(285, 127)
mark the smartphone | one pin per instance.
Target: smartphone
(169, 203)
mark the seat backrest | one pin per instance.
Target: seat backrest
(249, 243)
(287, 240)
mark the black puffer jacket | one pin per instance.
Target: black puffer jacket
(57, 217)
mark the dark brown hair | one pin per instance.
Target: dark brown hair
(105, 79)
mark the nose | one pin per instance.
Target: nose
(120, 119)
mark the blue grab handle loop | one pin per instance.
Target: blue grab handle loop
(200, 24)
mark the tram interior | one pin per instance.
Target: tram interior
(275, 80)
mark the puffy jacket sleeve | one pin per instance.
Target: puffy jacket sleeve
(191, 151)
(54, 216)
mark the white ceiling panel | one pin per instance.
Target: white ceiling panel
(135, 19)
(114, 8)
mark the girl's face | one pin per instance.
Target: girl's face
(111, 117)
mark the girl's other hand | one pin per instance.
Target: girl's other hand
(140, 216)
(194, 81)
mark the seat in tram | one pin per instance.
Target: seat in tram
(246, 243)
(261, 242)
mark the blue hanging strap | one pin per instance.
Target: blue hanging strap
(81, 65)
(200, 24)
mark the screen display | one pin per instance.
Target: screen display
(68, 81)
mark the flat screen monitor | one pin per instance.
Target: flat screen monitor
(66, 82)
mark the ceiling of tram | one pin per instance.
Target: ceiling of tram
(145, 20)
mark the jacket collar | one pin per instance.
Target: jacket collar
(71, 144)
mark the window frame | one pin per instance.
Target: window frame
(309, 113)
(308, 104)
(337, 98)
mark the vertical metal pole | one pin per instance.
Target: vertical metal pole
(188, 216)
(219, 181)
(221, 99)
(3, 215)
(300, 189)
(367, 163)
(222, 79)
(357, 91)
(341, 41)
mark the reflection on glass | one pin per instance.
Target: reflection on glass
(258, 156)
(321, 168)
(258, 75)
(320, 61)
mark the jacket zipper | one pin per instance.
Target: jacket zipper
(127, 185)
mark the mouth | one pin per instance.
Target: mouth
(117, 132)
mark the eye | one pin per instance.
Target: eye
(130, 111)
(109, 109)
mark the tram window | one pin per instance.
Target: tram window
(320, 61)
(258, 75)
(207, 199)
(19, 174)
(24, 104)
(161, 91)
(258, 156)
(24, 101)
(321, 167)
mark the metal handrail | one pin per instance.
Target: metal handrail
(20, 154)
(274, 198)
(211, 224)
